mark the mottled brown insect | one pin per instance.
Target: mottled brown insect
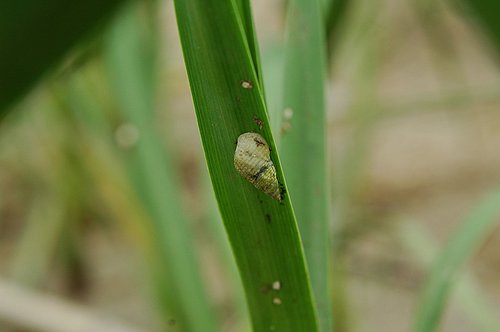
(252, 160)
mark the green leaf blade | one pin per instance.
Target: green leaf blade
(303, 142)
(131, 61)
(486, 14)
(441, 279)
(262, 231)
(251, 37)
(34, 35)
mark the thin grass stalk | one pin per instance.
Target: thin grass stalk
(303, 142)
(471, 299)
(442, 278)
(130, 56)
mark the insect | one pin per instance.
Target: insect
(252, 160)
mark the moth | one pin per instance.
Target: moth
(252, 160)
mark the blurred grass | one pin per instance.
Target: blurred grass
(55, 211)
(347, 174)
(478, 225)
(485, 12)
(336, 12)
(472, 232)
(432, 22)
(470, 298)
(39, 242)
(131, 56)
(34, 36)
(303, 142)
(117, 190)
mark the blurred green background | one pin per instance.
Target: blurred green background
(103, 178)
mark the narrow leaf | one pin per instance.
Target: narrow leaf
(486, 14)
(303, 142)
(131, 62)
(251, 37)
(471, 300)
(469, 236)
(34, 35)
(335, 12)
(228, 102)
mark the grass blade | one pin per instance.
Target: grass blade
(437, 287)
(336, 11)
(263, 232)
(35, 34)
(471, 300)
(131, 61)
(249, 29)
(303, 142)
(38, 244)
(273, 67)
(486, 13)
(56, 211)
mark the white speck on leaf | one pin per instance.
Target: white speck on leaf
(246, 84)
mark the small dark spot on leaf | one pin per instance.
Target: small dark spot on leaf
(282, 190)
(265, 288)
(268, 218)
(258, 122)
